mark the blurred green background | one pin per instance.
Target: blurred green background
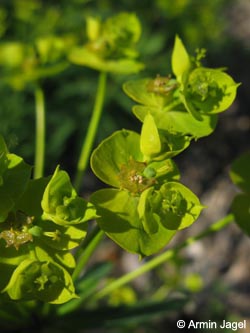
(220, 26)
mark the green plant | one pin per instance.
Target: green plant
(43, 218)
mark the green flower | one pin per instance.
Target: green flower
(24, 63)
(208, 91)
(129, 213)
(173, 205)
(118, 161)
(41, 221)
(111, 45)
(202, 90)
(62, 205)
(186, 103)
(42, 280)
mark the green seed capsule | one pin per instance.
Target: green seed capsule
(36, 231)
(149, 172)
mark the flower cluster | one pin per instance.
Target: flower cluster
(111, 45)
(40, 222)
(147, 204)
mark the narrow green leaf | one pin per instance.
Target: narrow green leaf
(113, 318)
(86, 286)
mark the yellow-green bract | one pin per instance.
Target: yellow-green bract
(62, 205)
(187, 103)
(138, 213)
(150, 142)
(41, 221)
(111, 45)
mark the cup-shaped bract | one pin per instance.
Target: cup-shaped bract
(62, 205)
(41, 221)
(22, 63)
(120, 220)
(173, 205)
(186, 104)
(208, 91)
(111, 45)
(146, 223)
(118, 161)
(42, 280)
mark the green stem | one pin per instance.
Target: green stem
(156, 261)
(87, 249)
(92, 129)
(172, 105)
(40, 133)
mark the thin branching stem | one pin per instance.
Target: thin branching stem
(88, 247)
(40, 133)
(160, 259)
(92, 130)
